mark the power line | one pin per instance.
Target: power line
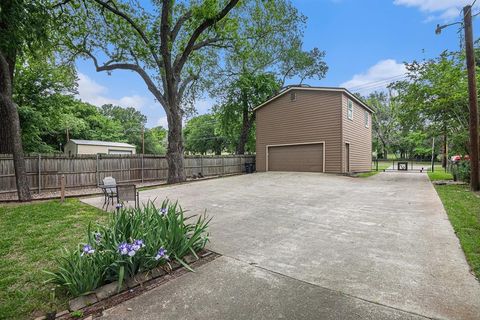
(373, 82)
(379, 85)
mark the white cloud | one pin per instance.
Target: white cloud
(376, 77)
(443, 9)
(96, 94)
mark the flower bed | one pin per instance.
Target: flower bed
(132, 242)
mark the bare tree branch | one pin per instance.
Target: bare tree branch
(185, 84)
(61, 3)
(179, 24)
(134, 26)
(198, 32)
(132, 67)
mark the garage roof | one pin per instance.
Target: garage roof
(101, 143)
(328, 89)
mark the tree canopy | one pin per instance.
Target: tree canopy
(171, 46)
(430, 103)
(202, 135)
(50, 113)
(269, 52)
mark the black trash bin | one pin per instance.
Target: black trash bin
(248, 167)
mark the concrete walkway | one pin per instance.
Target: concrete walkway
(316, 246)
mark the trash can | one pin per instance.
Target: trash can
(248, 167)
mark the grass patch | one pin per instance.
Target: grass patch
(32, 237)
(440, 175)
(463, 209)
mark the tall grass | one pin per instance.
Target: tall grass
(133, 241)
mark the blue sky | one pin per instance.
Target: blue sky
(366, 43)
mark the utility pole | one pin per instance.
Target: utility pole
(143, 139)
(433, 154)
(472, 98)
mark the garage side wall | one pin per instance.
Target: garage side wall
(92, 149)
(358, 136)
(313, 117)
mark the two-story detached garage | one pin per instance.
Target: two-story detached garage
(314, 129)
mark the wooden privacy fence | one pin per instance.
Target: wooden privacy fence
(44, 171)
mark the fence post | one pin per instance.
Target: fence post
(201, 164)
(39, 174)
(142, 167)
(223, 165)
(62, 188)
(97, 177)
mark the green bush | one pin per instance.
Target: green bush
(463, 171)
(133, 241)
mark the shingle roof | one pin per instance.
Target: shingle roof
(101, 143)
(351, 95)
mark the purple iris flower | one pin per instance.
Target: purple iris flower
(123, 248)
(161, 254)
(137, 245)
(163, 211)
(98, 237)
(119, 206)
(87, 249)
(131, 252)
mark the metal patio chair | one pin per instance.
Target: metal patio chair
(109, 188)
(127, 192)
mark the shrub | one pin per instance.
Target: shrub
(463, 171)
(133, 241)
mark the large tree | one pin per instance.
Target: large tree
(44, 90)
(23, 28)
(434, 99)
(235, 114)
(202, 136)
(131, 122)
(384, 122)
(269, 53)
(171, 45)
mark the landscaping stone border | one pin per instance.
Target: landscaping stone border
(108, 295)
(448, 182)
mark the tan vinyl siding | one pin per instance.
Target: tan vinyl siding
(359, 137)
(313, 117)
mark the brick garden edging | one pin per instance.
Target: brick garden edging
(108, 295)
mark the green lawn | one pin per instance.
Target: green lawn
(440, 175)
(463, 210)
(32, 236)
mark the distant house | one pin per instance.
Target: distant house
(314, 129)
(75, 146)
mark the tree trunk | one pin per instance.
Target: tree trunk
(444, 150)
(247, 121)
(11, 124)
(175, 156)
(5, 145)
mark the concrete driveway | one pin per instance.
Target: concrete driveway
(317, 246)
